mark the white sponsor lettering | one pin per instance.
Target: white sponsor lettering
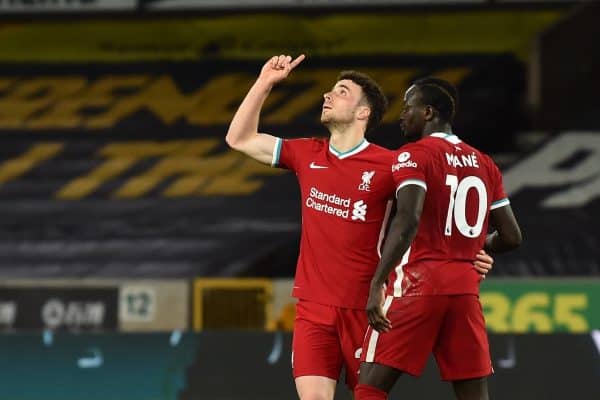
(325, 208)
(469, 160)
(56, 313)
(325, 202)
(579, 177)
(333, 204)
(330, 198)
(407, 164)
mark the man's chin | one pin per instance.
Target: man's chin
(410, 136)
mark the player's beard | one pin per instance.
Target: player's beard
(411, 134)
(332, 122)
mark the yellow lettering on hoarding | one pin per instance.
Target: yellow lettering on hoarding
(122, 156)
(185, 160)
(161, 97)
(565, 311)
(95, 99)
(237, 180)
(69, 102)
(535, 312)
(218, 99)
(531, 311)
(496, 307)
(31, 97)
(15, 167)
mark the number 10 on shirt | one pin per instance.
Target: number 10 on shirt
(457, 205)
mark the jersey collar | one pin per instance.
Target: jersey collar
(355, 150)
(450, 137)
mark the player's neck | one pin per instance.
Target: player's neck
(347, 139)
(436, 127)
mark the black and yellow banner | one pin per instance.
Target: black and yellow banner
(260, 35)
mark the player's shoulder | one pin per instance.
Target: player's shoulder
(484, 158)
(379, 149)
(412, 150)
(380, 153)
(314, 144)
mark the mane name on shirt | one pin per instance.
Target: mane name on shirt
(469, 160)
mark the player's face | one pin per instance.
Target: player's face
(341, 103)
(412, 118)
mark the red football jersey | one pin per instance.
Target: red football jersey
(346, 200)
(463, 185)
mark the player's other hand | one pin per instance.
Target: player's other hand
(377, 319)
(483, 263)
(277, 68)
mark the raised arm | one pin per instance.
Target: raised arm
(243, 132)
(507, 234)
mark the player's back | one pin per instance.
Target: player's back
(462, 185)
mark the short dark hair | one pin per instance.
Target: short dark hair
(440, 94)
(376, 99)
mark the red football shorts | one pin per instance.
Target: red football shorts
(451, 327)
(327, 338)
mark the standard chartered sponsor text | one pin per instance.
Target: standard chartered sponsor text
(326, 203)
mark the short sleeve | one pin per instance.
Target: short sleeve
(499, 197)
(410, 166)
(288, 153)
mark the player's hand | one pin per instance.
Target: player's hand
(483, 263)
(277, 68)
(377, 319)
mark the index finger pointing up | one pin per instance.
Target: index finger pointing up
(297, 61)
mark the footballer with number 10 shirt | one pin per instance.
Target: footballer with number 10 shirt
(447, 191)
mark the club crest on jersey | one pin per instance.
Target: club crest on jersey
(366, 181)
(404, 161)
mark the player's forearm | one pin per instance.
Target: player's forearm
(496, 243)
(244, 125)
(401, 234)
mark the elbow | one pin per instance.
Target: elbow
(410, 226)
(513, 240)
(232, 142)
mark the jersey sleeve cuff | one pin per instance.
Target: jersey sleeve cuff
(499, 203)
(407, 182)
(276, 152)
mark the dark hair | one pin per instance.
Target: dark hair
(439, 94)
(376, 99)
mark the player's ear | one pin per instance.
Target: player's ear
(428, 113)
(363, 112)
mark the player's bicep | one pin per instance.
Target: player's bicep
(262, 147)
(409, 204)
(503, 220)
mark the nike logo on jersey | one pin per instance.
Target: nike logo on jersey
(315, 166)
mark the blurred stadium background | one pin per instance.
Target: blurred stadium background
(142, 259)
